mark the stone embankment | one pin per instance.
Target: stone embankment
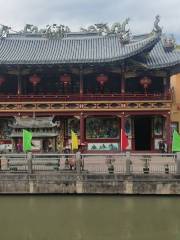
(88, 184)
(80, 181)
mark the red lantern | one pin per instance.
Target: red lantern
(102, 79)
(65, 79)
(2, 80)
(145, 82)
(34, 79)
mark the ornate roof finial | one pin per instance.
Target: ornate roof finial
(55, 31)
(120, 29)
(51, 31)
(4, 30)
(157, 28)
(169, 42)
(99, 28)
(29, 28)
(125, 33)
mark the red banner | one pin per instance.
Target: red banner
(124, 140)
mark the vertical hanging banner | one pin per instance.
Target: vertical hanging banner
(74, 140)
(176, 142)
(124, 140)
(27, 139)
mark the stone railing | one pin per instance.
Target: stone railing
(119, 163)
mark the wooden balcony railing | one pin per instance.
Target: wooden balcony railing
(85, 97)
(83, 106)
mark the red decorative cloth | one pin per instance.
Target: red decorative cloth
(124, 140)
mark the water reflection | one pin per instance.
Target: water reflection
(89, 218)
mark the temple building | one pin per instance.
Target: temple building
(45, 132)
(95, 82)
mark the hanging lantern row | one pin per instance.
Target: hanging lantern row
(102, 79)
(34, 79)
(65, 79)
(145, 82)
(2, 80)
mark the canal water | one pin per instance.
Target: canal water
(89, 218)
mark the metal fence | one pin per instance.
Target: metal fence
(121, 163)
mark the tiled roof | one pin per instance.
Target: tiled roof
(93, 49)
(85, 49)
(160, 57)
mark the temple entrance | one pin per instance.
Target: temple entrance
(142, 132)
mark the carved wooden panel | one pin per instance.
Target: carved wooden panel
(85, 106)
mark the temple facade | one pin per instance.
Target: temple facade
(94, 82)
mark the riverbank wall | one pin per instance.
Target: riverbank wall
(72, 183)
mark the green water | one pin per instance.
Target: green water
(89, 218)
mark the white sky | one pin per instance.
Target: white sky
(81, 13)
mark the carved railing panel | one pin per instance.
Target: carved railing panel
(84, 106)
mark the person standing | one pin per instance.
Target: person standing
(162, 147)
(19, 146)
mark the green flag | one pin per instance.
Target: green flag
(27, 138)
(176, 142)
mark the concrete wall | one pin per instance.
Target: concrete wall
(88, 184)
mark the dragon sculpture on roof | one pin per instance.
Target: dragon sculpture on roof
(4, 30)
(56, 31)
(117, 28)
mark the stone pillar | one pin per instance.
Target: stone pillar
(29, 162)
(78, 162)
(178, 163)
(4, 162)
(128, 163)
(82, 130)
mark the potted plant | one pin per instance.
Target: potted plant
(166, 168)
(110, 164)
(146, 160)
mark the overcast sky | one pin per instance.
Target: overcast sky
(81, 13)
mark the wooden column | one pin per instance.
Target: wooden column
(165, 87)
(166, 84)
(82, 130)
(122, 79)
(122, 126)
(81, 81)
(19, 81)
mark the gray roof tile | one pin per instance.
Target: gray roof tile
(86, 49)
(70, 50)
(159, 57)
